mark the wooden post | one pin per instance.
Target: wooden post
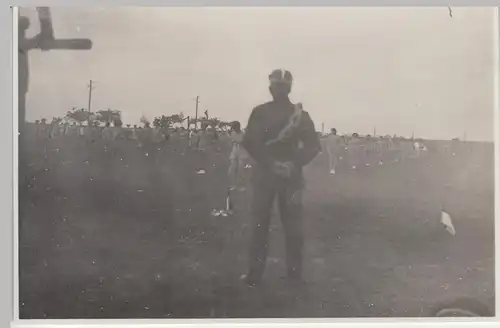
(196, 115)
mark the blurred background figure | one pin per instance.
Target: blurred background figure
(333, 148)
(238, 158)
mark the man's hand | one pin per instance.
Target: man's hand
(283, 169)
(43, 42)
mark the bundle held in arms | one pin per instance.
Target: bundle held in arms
(289, 129)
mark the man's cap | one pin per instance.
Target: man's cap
(281, 76)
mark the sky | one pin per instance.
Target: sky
(397, 70)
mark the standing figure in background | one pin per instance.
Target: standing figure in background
(194, 139)
(354, 150)
(380, 149)
(237, 158)
(205, 138)
(272, 139)
(134, 132)
(107, 132)
(416, 149)
(333, 148)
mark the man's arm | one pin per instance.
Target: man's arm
(26, 44)
(311, 143)
(253, 142)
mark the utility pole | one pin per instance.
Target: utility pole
(91, 87)
(374, 131)
(196, 115)
(322, 128)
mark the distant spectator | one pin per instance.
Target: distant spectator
(333, 147)
(237, 158)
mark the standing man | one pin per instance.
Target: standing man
(25, 45)
(272, 138)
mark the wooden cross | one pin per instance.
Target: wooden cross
(44, 41)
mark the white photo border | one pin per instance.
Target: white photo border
(9, 312)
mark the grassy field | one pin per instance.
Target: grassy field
(113, 233)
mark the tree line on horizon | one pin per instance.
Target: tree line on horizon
(110, 117)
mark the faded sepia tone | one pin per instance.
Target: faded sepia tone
(256, 162)
(399, 69)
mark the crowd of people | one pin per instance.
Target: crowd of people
(337, 147)
(354, 146)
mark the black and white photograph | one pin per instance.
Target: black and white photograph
(259, 162)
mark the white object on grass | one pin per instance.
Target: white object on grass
(200, 172)
(448, 224)
(217, 213)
